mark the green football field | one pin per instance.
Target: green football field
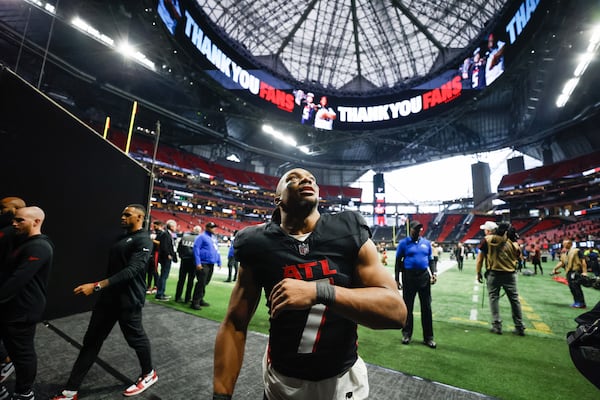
(536, 366)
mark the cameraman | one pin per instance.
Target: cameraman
(501, 257)
(572, 260)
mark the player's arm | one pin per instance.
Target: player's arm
(374, 301)
(584, 268)
(479, 265)
(231, 336)
(557, 267)
(33, 257)
(399, 265)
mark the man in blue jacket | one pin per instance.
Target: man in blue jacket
(206, 255)
(415, 261)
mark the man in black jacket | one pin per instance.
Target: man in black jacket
(122, 297)
(187, 268)
(166, 256)
(8, 207)
(23, 281)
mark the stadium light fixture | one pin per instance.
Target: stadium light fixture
(582, 66)
(268, 129)
(233, 158)
(50, 8)
(130, 52)
(124, 47)
(85, 27)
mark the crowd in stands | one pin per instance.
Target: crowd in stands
(233, 198)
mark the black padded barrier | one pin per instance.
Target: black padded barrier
(53, 160)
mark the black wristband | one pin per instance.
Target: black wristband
(325, 293)
(217, 396)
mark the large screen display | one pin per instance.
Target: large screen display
(484, 66)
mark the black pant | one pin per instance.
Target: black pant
(413, 283)
(575, 287)
(459, 261)
(232, 266)
(203, 277)
(537, 263)
(3, 352)
(187, 270)
(18, 339)
(101, 323)
(152, 271)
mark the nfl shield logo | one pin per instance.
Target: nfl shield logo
(303, 249)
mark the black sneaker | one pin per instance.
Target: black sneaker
(496, 327)
(519, 331)
(204, 304)
(24, 396)
(405, 340)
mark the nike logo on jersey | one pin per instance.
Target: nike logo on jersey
(145, 249)
(128, 240)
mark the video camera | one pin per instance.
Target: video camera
(589, 281)
(511, 232)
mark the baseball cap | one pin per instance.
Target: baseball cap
(211, 225)
(414, 224)
(489, 225)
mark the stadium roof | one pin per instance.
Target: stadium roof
(357, 46)
(353, 50)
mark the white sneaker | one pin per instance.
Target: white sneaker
(143, 383)
(66, 395)
(6, 369)
(4, 395)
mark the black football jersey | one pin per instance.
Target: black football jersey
(317, 343)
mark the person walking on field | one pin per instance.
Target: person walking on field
(501, 257)
(121, 298)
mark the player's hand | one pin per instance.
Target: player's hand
(479, 277)
(433, 279)
(199, 267)
(86, 289)
(292, 294)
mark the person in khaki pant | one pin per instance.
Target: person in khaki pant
(501, 256)
(573, 262)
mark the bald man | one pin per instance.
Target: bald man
(23, 281)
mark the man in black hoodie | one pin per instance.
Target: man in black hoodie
(122, 297)
(8, 207)
(23, 281)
